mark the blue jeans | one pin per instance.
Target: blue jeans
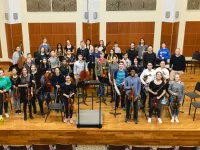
(151, 108)
(173, 111)
(135, 106)
(101, 89)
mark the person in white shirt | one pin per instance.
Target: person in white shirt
(146, 77)
(163, 70)
(127, 62)
(116, 48)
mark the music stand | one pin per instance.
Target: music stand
(81, 85)
(115, 112)
(103, 80)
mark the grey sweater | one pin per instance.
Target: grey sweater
(141, 50)
(132, 81)
(177, 86)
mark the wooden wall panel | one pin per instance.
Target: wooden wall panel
(191, 38)
(126, 32)
(91, 31)
(13, 37)
(169, 35)
(0, 50)
(54, 32)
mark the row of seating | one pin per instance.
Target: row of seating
(123, 147)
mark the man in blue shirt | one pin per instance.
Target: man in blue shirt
(119, 78)
(132, 84)
(163, 53)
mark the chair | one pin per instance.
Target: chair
(1, 147)
(169, 148)
(41, 147)
(193, 95)
(196, 106)
(55, 106)
(187, 148)
(141, 148)
(116, 147)
(17, 148)
(64, 147)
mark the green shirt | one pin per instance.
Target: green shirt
(5, 83)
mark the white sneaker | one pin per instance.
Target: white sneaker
(149, 120)
(176, 119)
(71, 120)
(65, 120)
(172, 120)
(159, 120)
(7, 115)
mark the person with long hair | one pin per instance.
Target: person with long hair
(139, 67)
(5, 85)
(68, 91)
(65, 68)
(59, 50)
(69, 47)
(126, 60)
(44, 66)
(15, 79)
(116, 48)
(111, 55)
(102, 46)
(141, 48)
(70, 58)
(41, 55)
(89, 46)
(25, 92)
(156, 92)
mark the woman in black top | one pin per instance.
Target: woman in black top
(65, 68)
(56, 80)
(70, 58)
(59, 50)
(139, 68)
(44, 66)
(41, 55)
(25, 89)
(69, 47)
(15, 79)
(156, 91)
(68, 90)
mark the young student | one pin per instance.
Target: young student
(163, 53)
(54, 61)
(116, 48)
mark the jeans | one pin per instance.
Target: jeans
(173, 111)
(3, 103)
(17, 104)
(151, 108)
(135, 106)
(68, 112)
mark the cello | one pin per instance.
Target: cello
(21, 59)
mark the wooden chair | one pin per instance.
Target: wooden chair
(17, 148)
(141, 148)
(187, 148)
(64, 147)
(116, 147)
(41, 147)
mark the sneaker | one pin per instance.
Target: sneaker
(149, 120)
(126, 120)
(19, 112)
(71, 120)
(172, 120)
(7, 115)
(65, 120)
(159, 120)
(176, 119)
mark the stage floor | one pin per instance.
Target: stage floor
(15, 130)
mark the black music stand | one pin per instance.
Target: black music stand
(115, 110)
(87, 120)
(102, 99)
(81, 85)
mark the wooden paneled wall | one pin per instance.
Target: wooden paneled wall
(126, 32)
(13, 37)
(54, 32)
(192, 38)
(0, 50)
(169, 35)
(91, 31)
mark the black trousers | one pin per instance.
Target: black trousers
(2, 103)
(25, 101)
(68, 112)
(135, 106)
(143, 96)
(40, 101)
(122, 97)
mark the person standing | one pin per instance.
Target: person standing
(141, 49)
(132, 52)
(163, 53)
(45, 45)
(132, 82)
(83, 51)
(16, 55)
(149, 56)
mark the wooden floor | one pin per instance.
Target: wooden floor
(15, 130)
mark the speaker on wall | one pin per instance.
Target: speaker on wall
(177, 14)
(95, 15)
(15, 16)
(86, 15)
(6, 16)
(167, 14)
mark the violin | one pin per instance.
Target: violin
(6, 96)
(176, 102)
(70, 102)
(131, 96)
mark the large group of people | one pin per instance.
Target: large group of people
(138, 73)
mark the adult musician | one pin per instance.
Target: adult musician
(68, 91)
(15, 79)
(139, 67)
(116, 48)
(89, 46)
(41, 55)
(132, 52)
(101, 69)
(28, 64)
(53, 60)
(149, 56)
(177, 64)
(44, 66)
(83, 51)
(126, 60)
(16, 55)
(111, 55)
(111, 71)
(119, 78)
(176, 89)
(45, 45)
(91, 63)
(132, 82)
(70, 58)
(156, 92)
(146, 77)
(69, 47)
(102, 46)
(164, 70)
(59, 50)
(36, 85)
(96, 53)
(141, 48)
(163, 53)
(5, 85)
(25, 92)
(65, 68)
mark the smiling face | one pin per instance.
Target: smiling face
(158, 75)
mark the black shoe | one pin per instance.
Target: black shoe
(111, 101)
(126, 120)
(25, 117)
(31, 116)
(16, 112)
(34, 111)
(136, 121)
